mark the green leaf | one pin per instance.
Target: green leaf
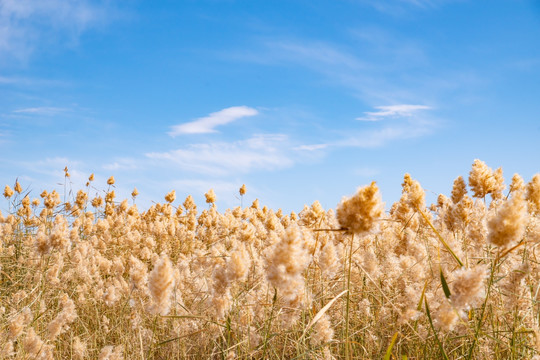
(444, 284)
(435, 332)
(419, 307)
(389, 350)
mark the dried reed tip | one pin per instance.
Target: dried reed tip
(66, 316)
(255, 204)
(243, 190)
(416, 197)
(160, 284)
(533, 194)
(468, 286)
(508, 225)
(458, 190)
(517, 183)
(79, 348)
(17, 324)
(238, 264)
(322, 331)
(111, 353)
(359, 213)
(32, 343)
(8, 192)
(18, 187)
(134, 193)
(483, 181)
(499, 185)
(286, 263)
(91, 177)
(189, 203)
(170, 197)
(110, 181)
(210, 196)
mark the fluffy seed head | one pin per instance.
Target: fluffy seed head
(171, 196)
(468, 286)
(482, 180)
(210, 196)
(286, 263)
(8, 192)
(160, 284)
(533, 194)
(517, 183)
(18, 187)
(359, 213)
(508, 225)
(459, 190)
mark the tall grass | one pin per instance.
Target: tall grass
(84, 276)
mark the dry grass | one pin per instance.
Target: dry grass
(93, 278)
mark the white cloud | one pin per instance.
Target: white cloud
(207, 124)
(260, 152)
(48, 111)
(392, 111)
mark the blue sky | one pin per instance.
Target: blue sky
(300, 100)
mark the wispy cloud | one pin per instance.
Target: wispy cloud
(47, 111)
(392, 111)
(260, 152)
(315, 54)
(400, 7)
(9, 80)
(27, 24)
(401, 122)
(31, 82)
(311, 147)
(122, 164)
(49, 172)
(387, 134)
(209, 123)
(377, 66)
(366, 172)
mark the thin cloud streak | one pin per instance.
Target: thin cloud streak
(383, 136)
(371, 79)
(260, 152)
(208, 124)
(392, 111)
(49, 111)
(122, 164)
(313, 147)
(401, 122)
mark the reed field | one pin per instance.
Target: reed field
(84, 275)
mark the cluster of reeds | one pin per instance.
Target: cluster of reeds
(84, 276)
